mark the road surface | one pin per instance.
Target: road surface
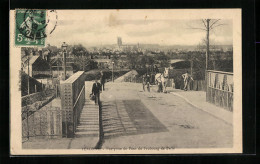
(132, 118)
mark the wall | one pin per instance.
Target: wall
(39, 96)
(72, 101)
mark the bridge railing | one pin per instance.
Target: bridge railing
(220, 88)
(72, 100)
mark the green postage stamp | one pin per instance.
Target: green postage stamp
(30, 27)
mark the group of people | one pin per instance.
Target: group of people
(148, 79)
(98, 87)
(187, 78)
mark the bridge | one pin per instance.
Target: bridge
(127, 117)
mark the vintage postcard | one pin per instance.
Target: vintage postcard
(153, 81)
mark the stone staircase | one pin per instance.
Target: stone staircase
(89, 121)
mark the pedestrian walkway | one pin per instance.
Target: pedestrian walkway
(87, 132)
(89, 120)
(198, 100)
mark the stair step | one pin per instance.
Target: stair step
(87, 117)
(87, 130)
(88, 124)
(85, 124)
(90, 109)
(89, 114)
(86, 135)
(87, 120)
(94, 114)
(88, 127)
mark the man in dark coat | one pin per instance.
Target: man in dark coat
(96, 90)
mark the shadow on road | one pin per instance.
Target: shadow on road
(128, 117)
(143, 119)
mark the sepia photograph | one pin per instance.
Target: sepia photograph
(125, 81)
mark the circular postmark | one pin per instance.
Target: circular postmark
(33, 23)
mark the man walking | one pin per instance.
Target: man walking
(102, 80)
(187, 77)
(96, 90)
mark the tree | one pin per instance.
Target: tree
(115, 59)
(132, 58)
(145, 60)
(208, 25)
(78, 50)
(163, 59)
(80, 54)
(91, 64)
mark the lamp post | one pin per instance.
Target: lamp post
(64, 50)
(112, 71)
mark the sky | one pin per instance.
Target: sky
(101, 27)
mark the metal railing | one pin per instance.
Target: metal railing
(78, 106)
(220, 89)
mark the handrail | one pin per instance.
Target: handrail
(79, 96)
(229, 73)
(220, 89)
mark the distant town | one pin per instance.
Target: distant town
(123, 56)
